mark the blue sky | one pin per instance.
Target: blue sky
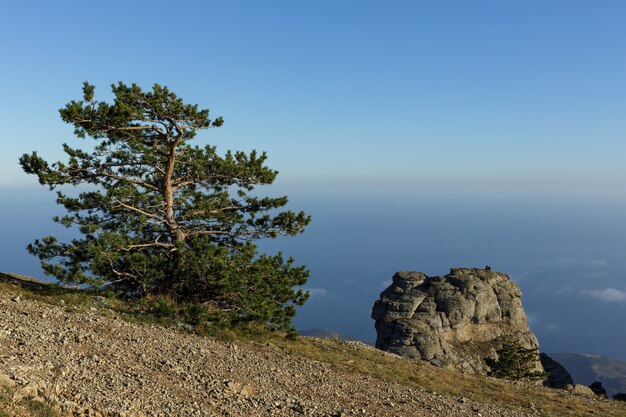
(420, 135)
(486, 91)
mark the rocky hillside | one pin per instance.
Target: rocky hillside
(454, 320)
(588, 368)
(65, 354)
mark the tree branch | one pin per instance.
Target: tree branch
(130, 128)
(138, 210)
(150, 245)
(182, 181)
(134, 278)
(237, 235)
(131, 180)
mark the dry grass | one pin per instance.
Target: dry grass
(23, 408)
(348, 357)
(519, 396)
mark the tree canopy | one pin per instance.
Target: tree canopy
(514, 362)
(162, 216)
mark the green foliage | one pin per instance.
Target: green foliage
(292, 334)
(162, 216)
(196, 314)
(164, 307)
(514, 362)
(39, 409)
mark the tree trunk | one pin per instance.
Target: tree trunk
(168, 195)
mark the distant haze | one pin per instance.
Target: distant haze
(566, 254)
(586, 369)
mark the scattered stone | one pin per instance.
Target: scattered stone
(247, 391)
(233, 387)
(27, 392)
(6, 381)
(90, 365)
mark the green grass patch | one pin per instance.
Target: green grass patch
(39, 409)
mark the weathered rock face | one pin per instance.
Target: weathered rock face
(451, 321)
(558, 377)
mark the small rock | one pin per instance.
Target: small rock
(233, 386)
(247, 391)
(27, 392)
(38, 399)
(6, 381)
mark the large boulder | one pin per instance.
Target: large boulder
(455, 320)
(580, 389)
(598, 389)
(620, 396)
(558, 377)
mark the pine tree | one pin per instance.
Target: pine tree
(514, 362)
(162, 216)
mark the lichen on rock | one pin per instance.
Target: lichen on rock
(456, 320)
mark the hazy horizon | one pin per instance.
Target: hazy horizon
(565, 256)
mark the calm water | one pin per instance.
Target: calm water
(566, 253)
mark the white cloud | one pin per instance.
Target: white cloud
(608, 294)
(559, 262)
(563, 262)
(571, 262)
(317, 292)
(552, 327)
(563, 290)
(386, 283)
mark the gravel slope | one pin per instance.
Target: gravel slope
(92, 365)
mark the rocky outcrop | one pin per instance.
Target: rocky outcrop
(558, 377)
(598, 389)
(586, 368)
(580, 389)
(620, 396)
(451, 321)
